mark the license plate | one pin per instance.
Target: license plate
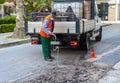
(34, 38)
(55, 42)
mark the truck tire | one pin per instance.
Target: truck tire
(84, 43)
(99, 37)
(87, 42)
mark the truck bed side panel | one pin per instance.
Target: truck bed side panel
(88, 26)
(34, 25)
(64, 27)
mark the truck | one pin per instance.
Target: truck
(76, 24)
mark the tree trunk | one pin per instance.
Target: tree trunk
(19, 31)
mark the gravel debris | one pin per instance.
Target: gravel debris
(82, 72)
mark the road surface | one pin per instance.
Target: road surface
(19, 61)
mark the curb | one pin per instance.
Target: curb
(104, 25)
(14, 43)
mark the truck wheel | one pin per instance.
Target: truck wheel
(99, 37)
(84, 43)
(87, 42)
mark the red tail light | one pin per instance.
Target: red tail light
(73, 43)
(34, 42)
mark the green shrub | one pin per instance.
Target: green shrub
(7, 28)
(8, 20)
(2, 1)
(11, 19)
(28, 18)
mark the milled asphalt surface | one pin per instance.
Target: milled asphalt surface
(111, 77)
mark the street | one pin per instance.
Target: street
(19, 61)
(108, 49)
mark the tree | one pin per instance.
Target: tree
(34, 5)
(48, 4)
(2, 7)
(2, 1)
(38, 5)
(19, 31)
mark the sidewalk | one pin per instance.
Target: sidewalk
(5, 41)
(110, 22)
(113, 76)
(107, 23)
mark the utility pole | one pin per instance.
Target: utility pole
(116, 18)
(2, 10)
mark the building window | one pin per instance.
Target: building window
(103, 11)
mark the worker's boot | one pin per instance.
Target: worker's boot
(49, 59)
(52, 57)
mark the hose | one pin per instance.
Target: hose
(56, 49)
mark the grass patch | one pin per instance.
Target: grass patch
(17, 38)
(9, 37)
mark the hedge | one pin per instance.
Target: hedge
(8, 23)
(11, 20)
(8, 20)
(7, 28)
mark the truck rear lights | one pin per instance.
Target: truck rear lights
(73, 43)
(34, 42)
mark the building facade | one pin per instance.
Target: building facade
(109, 9)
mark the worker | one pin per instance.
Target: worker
(46, 32)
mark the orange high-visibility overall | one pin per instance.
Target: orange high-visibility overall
(42, 33)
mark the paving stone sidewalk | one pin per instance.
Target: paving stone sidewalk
(6, 41)
(113, 76)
